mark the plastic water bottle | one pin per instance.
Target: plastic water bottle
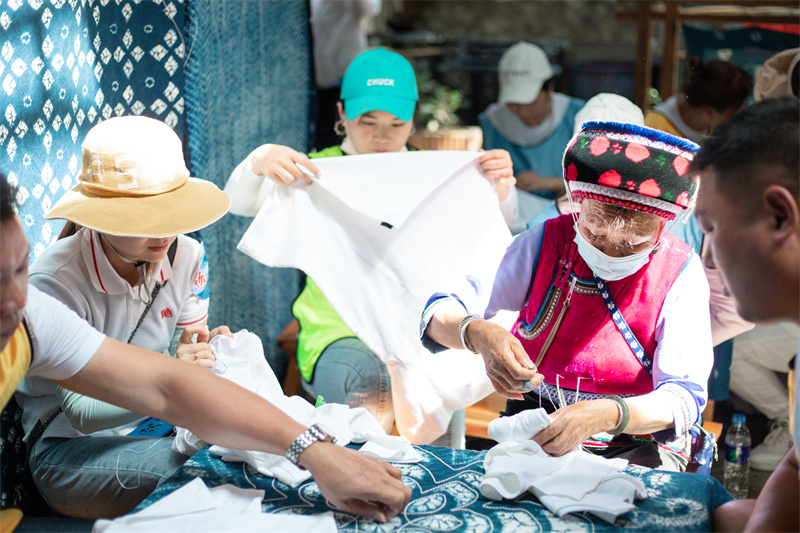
(737, 458)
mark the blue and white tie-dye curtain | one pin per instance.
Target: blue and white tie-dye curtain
(249, 80)
(65, 67)
(226, 75)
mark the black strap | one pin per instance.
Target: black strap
(158, 287)
(37, 431)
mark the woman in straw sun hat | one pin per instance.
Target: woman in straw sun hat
(124, 265)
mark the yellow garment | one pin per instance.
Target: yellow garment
(657, 121)
(14, 363)
(9, 519)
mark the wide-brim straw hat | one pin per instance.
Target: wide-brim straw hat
(134, 183)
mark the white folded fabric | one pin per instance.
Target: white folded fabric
(574, 482)
(241, 359)
(196, 508)
(391, 448)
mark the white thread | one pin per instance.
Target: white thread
(560, 393)
(547, 390)
(138, 474)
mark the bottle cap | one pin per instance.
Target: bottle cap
(739, 419)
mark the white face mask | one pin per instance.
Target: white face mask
(606, 267)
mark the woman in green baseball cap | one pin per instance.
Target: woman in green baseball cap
(378, 99)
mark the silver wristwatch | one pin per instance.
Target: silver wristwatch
(304, 440)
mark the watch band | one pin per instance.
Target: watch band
(303, 441)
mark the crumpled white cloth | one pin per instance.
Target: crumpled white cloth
(195, 507)
(574, 482)
(519, 427)
(380, 234)
(241, 359)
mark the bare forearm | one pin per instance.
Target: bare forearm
(443, 327)
(648, 414)
(777, 506)
(215, 409)
(527, 180)
(231, 416)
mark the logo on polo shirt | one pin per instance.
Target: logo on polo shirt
(200, 280)
(200, 283)
(166, 313)
(389, 82)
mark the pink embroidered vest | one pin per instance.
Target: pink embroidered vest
(587, 343)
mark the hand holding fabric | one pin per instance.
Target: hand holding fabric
(508, 365)
(279, 163)
(354, 482)
(199, 352)
(496, 165)
(575, 423)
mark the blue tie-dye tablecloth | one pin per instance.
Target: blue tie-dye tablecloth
(446, 498)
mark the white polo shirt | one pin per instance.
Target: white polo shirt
(77, 272)
(61, 343)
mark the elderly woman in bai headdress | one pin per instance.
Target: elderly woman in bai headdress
(613, 333)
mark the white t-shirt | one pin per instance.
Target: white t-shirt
(77, 272)
(62, 345)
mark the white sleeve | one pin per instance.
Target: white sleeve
(194, 308)
(247, 190)
(63, 343)
(512, 284)
(510, 290)
(510, 207)
(684, 355)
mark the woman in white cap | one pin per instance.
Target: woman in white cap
(378, 100)
(531, 121)
(132, 274)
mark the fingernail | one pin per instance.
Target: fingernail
(527, 385)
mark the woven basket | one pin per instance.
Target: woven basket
(467, 138)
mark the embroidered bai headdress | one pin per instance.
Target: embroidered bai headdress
(631, 166)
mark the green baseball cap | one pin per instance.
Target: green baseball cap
(379, 79)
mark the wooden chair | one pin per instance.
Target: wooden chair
(287, 341)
